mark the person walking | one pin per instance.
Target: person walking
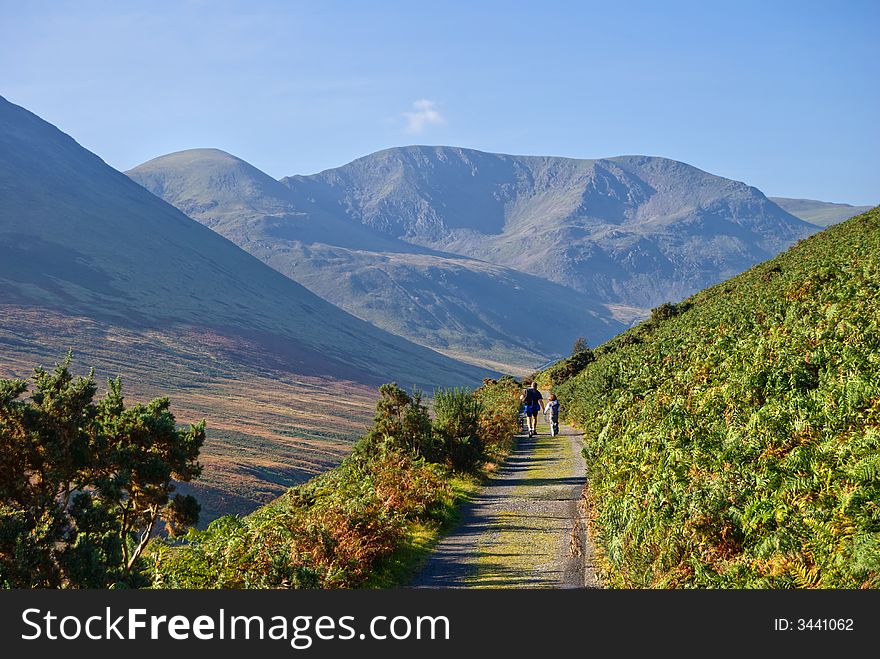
(533, 402)
(552, 412)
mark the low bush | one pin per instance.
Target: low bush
(84, 482)
(457, 415)
(499, 416)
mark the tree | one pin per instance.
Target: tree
(83, 484)
(580, 345)
(457, 415)
(401, 422)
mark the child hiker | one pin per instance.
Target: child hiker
(552, 412)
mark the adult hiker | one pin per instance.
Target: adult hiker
(533, 402)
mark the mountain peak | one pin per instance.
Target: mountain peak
(632, 229)
(198, 179)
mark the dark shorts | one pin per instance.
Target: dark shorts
(532, 410)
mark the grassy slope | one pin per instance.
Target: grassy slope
(736, 444)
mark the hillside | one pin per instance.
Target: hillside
(820, 213)
(471, 309)
(733, 439)
(91, 260)
(631, 230)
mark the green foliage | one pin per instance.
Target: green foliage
(500, 405)
(566, 369)
(346, 526)
(580, 345)
(736, 445)
(457, 415)
(457, 411)
(402, 422)
(84, 483)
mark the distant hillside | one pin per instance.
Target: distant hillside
(405, 237)
(91, 260)
(632, 230)
(733, 439)
(820, 213)
(471, 309)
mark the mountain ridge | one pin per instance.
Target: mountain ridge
(558, 217)
(467, 308)
(820, 213)
(627, 232)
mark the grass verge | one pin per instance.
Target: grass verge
(398, 568)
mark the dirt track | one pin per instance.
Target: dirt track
(524, 529)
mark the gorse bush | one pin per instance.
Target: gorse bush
(457, 415)
(335, 530)
(402, 422)
(83, 483)
(500, 405)
(566, 369)
(457, 411)
(736, 444)
(669, 310)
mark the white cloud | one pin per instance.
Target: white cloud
(424, 114)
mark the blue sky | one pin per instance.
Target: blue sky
(782, 95)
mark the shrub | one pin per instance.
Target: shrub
(457, 415)
(669, 310)
(84, 483)
(500, 413)
(402, 422)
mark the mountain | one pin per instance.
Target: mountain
(820, 213)
(733, 440)
(91, 260)
(631, 230)
(472, 309)
(487, 257)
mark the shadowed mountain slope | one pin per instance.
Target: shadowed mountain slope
(91, 260)
(76, 235)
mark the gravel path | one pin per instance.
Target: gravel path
(524, 529)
